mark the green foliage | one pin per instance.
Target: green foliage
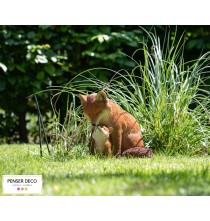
(88, 175)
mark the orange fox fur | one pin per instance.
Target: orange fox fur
(103, 112)
(102, 143)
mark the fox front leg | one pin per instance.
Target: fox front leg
(117, 143)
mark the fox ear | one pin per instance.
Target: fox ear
(110, 130)
(101, 96)
(83, 98)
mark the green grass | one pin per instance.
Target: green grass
(90, 175)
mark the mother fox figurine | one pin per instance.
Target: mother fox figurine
(103, 112)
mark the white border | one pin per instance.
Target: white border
(98, 12)
(104, 208)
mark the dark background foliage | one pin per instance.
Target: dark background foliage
(33, 58)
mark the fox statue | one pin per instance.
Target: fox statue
(102, 144)
(101, 111)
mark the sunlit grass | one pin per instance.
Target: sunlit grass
(90, 175)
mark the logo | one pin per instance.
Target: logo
(22, 184)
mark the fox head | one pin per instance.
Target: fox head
(96, 107)
(102, 133)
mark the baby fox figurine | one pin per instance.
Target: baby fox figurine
(103, 144)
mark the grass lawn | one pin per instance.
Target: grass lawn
(90, 175)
